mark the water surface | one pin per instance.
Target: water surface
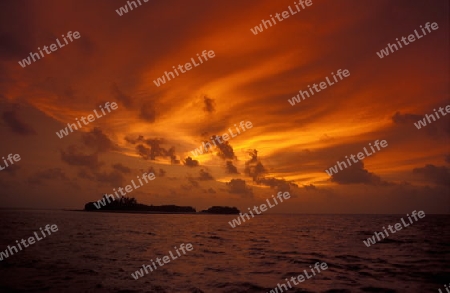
(97, 252)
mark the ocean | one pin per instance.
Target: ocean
(98, 252)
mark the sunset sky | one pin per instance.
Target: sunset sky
(250, 78)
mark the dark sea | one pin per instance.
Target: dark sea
(98, 252)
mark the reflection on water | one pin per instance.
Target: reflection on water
(97, 252)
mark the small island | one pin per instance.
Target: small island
(130, 205)
(126, 204)
(221, 210)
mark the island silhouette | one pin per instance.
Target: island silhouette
(127, 204)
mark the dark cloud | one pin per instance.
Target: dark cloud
(151, 169)
(405, 118)
(120, 96)
(270, 181)
(144, 152)
(75, 158)
(12, 121)
(87, 45)
(148, 112)
(310, 187)
(155, 150)
(230, 168)
(326, 138)
(155, 143)
(98, 141)
(239, 186)
(193, 182)
(447, 159)
(54, 174)
(225, 150)
(173, 157)
(437, 175)
(253, 167)
(210, 190)
(279, 184)
(209, 104)
(204, 176)
(356, 174)
(121, 168)
(130, 140)
(190, 162)
(69, 92)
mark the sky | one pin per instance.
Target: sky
(251, 77)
